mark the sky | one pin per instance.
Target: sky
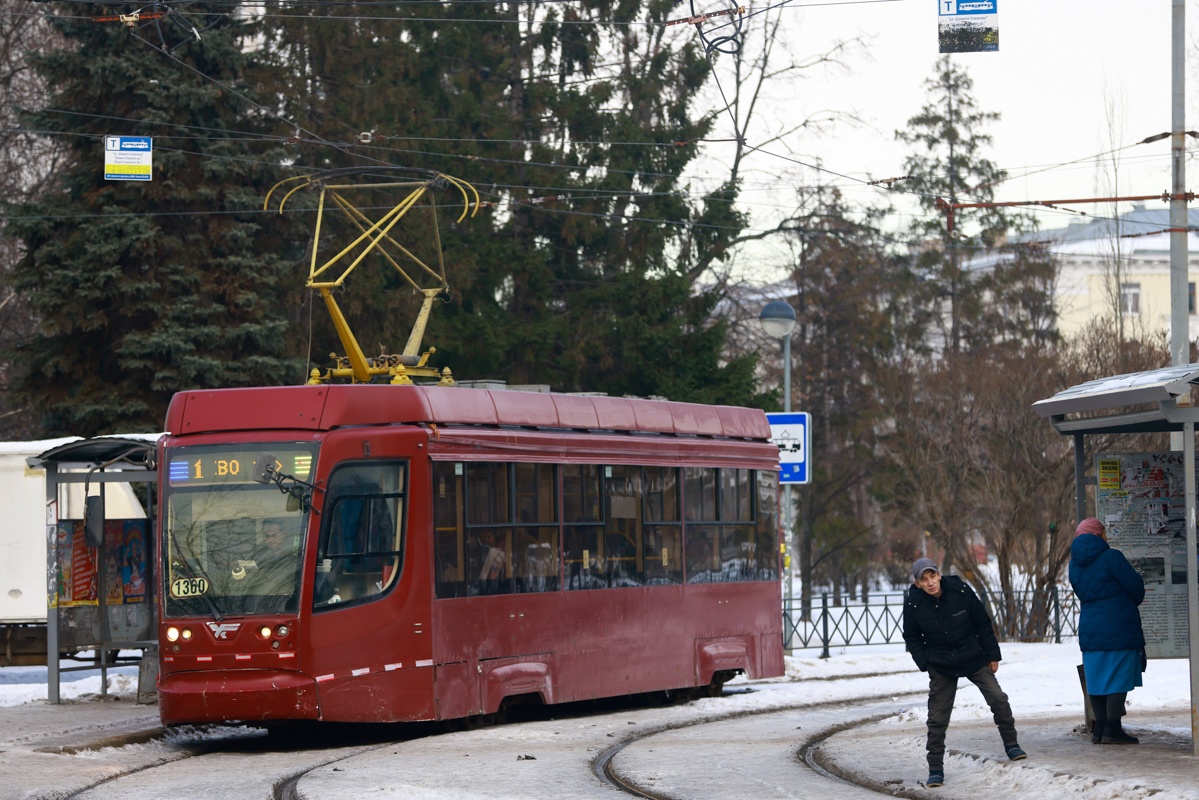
(1060, 67)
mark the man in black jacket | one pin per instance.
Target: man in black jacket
(950, 636)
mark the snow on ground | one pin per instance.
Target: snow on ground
(1040, 679)
(20, 685)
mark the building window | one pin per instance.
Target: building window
(1130, 298)
(1191, 298)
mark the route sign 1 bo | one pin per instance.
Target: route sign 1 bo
(793, 434)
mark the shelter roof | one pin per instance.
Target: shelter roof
(137, 447)
(1156, 387)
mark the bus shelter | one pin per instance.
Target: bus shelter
(1154, 401)
(99, 584)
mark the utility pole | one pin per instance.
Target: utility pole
(1180, 350)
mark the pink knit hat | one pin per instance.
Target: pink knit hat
(1090, 525)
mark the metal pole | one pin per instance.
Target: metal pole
(787, 520)
(1179, 328)
(824, 624)
(1057, 617)
(1188, 461)
(53, 571)
(1180, 333)
(1080, 480)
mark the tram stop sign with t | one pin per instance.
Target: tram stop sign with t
(793, 434)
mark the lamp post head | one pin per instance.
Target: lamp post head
(778, 319)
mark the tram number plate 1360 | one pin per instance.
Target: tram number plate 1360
(189, 587)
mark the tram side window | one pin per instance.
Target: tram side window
(738, 545)
(766, 528)
(662, 540)
(731, 543)
(583, 527)
(622, 526)
(449, 527)
(702, 542)
(359, 555)
(536, 541)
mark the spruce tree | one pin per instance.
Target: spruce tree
(143, 289)
(948, 164)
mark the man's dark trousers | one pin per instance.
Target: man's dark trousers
(941, 692)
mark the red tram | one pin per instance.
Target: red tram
(426, 553)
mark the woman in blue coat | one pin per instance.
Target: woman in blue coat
(1109, 627)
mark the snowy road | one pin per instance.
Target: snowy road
(693, 750)
(749, 743)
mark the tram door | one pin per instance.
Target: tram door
(369, 647)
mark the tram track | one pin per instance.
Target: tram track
(277, 770)
(605, 768)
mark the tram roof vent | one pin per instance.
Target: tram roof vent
(496, 385)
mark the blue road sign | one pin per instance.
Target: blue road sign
(792, 432)
(128, 158)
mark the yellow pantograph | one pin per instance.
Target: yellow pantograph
(375, 237)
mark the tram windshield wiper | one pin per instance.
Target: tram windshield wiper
(178, 553)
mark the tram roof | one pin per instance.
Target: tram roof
(325, 407)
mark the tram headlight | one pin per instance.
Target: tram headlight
(186, 633)
(172, 634)
(282, 631)
(265, 631)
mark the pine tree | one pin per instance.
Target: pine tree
(574, 121)
(145, 289)
(948, 164)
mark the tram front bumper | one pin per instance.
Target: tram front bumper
(237, 695)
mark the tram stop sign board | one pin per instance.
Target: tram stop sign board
(793, 434)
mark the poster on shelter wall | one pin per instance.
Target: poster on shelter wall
(76, 566)
(128, 540)
(125, 565)
(1141, 500)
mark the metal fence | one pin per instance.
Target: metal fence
(1018, 617)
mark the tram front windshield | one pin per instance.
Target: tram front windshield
(232, 546)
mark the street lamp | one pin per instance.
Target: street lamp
(778, 320)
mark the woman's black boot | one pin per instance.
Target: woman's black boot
(1113, 731)
(1099, 712)
(1114, 734)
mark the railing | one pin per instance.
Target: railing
(1018, 617)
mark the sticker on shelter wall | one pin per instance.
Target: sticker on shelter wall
(1109, 474)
